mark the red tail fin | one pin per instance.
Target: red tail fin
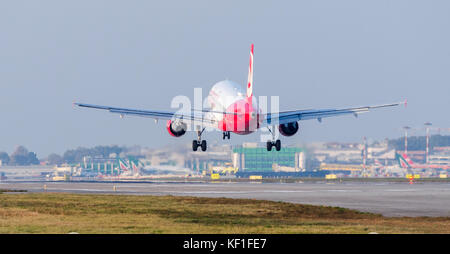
(250, 75)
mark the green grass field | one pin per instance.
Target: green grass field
(64, 213)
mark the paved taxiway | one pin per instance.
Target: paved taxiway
(389, 199)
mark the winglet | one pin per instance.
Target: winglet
(250, 75)
(405, 103)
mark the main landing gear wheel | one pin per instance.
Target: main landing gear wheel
(269, 146)
(199, 142)
(277, 145)
(196, 144)
(203, 145)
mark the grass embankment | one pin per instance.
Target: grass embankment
(64, 213)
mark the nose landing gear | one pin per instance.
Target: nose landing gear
(226, 134)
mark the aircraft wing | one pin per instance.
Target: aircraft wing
(195, 116)
(155, 114)
(298, 115)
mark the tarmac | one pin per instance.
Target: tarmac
(389, 199)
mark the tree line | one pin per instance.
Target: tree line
(22, 157)
(417, 143)
(77, 155)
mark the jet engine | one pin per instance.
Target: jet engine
(176, 128)
(288, 129)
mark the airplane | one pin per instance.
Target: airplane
(123, 165)
(233, 110)
(406, 162)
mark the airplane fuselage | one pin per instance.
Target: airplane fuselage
(242, 112)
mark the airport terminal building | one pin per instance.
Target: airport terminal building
(251, 158)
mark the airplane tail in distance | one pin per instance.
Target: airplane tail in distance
(406, 157)
(250, 75)
(134, 166)
(123, 165)
(404, 160)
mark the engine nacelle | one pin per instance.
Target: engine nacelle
(288, 129)
(176, 128)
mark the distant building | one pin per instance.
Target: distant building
(339, 152)
(216, 155)
(258, 159)
(445, 150)
(439, 159)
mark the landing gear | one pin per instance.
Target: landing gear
(226, 134)
(269, 146)
(277, 145)
(194, 145)
(199, 142)
(203, 145)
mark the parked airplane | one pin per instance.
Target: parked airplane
(233, 110)
(406, 162)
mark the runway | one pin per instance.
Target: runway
(388, 199)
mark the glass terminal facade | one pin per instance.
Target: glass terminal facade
(258, 159)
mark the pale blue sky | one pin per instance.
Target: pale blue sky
(313, 54)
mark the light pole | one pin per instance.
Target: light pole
(427, 126)
(406, 128)
(364, 155)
